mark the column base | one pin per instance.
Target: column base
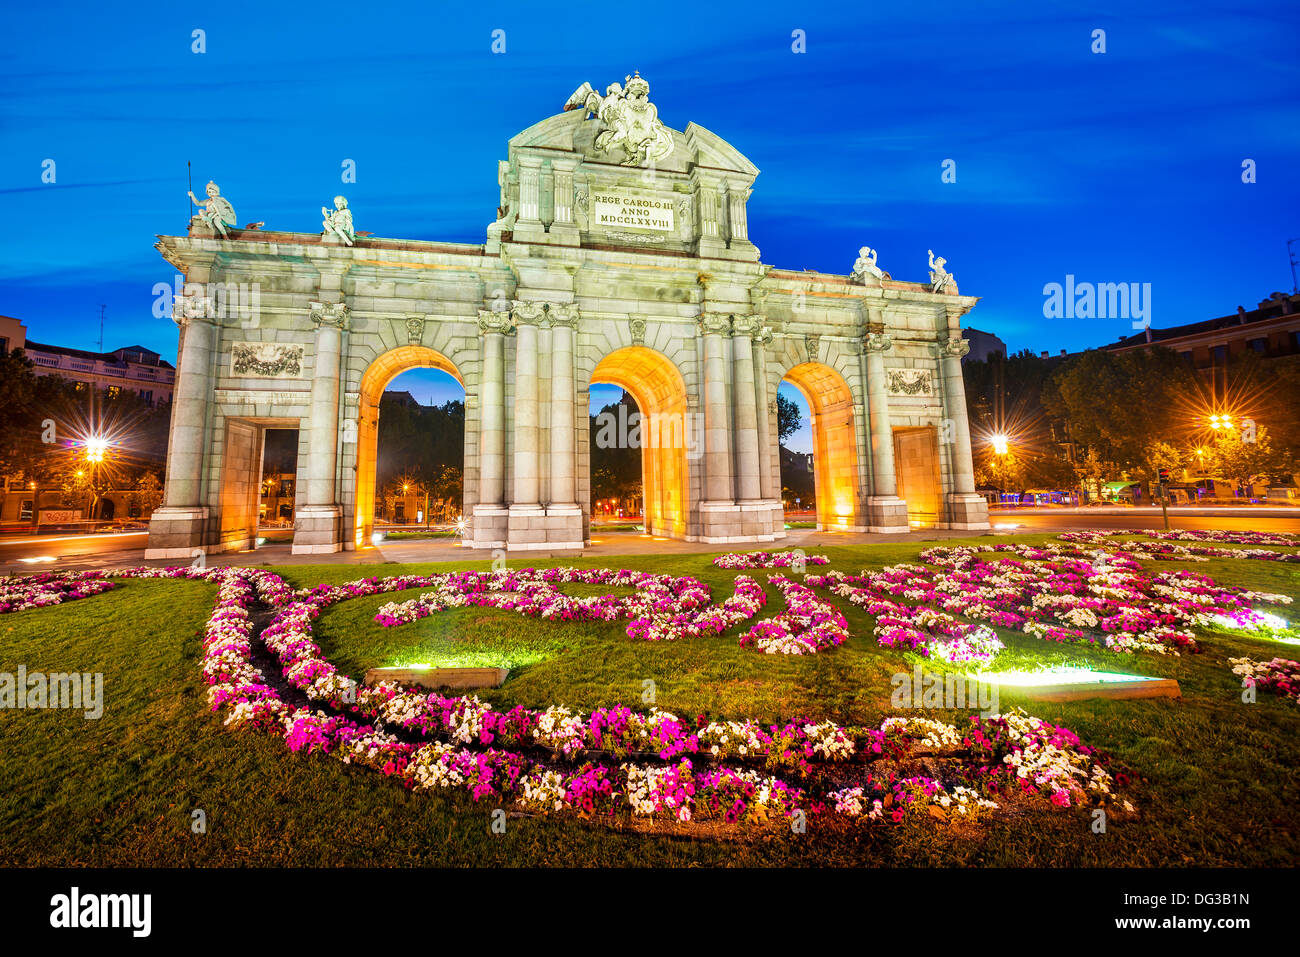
(725, 523)
(532, 528)
(488, 529)
(317, 530)
(967, 510)
(886, 515)
(178, 532)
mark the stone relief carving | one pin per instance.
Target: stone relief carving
(909, 382)
(414, 329)
(266, 360)
(814, 344)
(631, 121)
(636, 326)
(639, 239)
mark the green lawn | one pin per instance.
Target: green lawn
(1217, 781)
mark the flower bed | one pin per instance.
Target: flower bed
(806, 626)
(614, 763)
(1281, 676)
(748, 560)
(20, 592)
(1160, 549)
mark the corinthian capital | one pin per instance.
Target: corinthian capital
(330, 314)
(951, 347)
(877, 341)
(715, 323)
(563, 314)
(193, 307)
(746, 326)
(491, 321)
(527, 313)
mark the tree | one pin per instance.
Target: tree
(1118, 404)
(788, 418)
(1233, 457)
(146, 494)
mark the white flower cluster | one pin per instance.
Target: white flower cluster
(928, 733)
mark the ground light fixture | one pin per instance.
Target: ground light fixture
(1074, 683)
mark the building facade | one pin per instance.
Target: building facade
(1270, 330)
(131, 368)
(620, 254)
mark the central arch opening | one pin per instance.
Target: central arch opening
(660, 429)
(833, 442)
(417, 477)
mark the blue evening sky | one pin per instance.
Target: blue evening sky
(1117, 167)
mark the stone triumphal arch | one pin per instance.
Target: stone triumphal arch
(620, 254)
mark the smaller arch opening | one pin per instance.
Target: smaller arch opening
(834, 443)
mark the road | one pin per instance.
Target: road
(24, 555)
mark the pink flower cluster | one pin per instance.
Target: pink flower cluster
(20, 592)
(808, 624)
(746, 560)
(1281, 676)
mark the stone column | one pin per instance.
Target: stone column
(951, 349)
(564, 519)
(526, 525)
(563, 228)
(492, 408)
(179, 526)
(748, 481)
(193, 393)
(769, 487)
(563, 468)
(966, 509)
(717, 420)
(489, 527)
(886, 512)
(316, 525)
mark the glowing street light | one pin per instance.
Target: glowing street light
(96, 448)
(999, 443)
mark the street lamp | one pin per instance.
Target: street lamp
(999, 443)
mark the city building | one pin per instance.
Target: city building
(1270, 330)
(982, 345)
(131, 367)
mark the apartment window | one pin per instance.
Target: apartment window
(1186, 357)
(81, 386)
(114, 391)
(1220, 354)
(148, 397)
(1259, 345)
(25, 510)
(4, 346)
